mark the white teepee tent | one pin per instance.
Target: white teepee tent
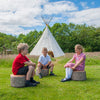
(47, 40)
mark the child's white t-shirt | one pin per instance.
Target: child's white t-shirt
(44, 60)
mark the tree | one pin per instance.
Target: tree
(67, 36)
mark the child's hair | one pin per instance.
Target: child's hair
(22, 46)
(80, 47)
(44, 49)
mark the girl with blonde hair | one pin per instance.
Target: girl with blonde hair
(79, 65)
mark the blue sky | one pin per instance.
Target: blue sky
(23, 16)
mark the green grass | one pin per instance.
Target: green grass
(51, 88)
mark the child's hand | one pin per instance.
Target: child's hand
(73, 68)
(33, 64)
(64, 66)
(45, 66)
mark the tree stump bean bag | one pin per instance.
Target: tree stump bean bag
(17, 80)
(44, 72)
(79, 75)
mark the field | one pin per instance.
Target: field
(51, 88)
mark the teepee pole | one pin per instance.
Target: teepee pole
(47, 23)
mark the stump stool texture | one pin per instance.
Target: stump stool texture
(17, 80)
(44, 72)
(79, 75)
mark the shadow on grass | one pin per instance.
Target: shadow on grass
(93, 79)
(88, 80)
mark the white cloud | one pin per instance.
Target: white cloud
(13, 29)
(89, 16)
(15, 13)
(59, 7)
(27, 13)
(84, 5)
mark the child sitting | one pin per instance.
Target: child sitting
(45, 62)
(18, 67)
(79, 65)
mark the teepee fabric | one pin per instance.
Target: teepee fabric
(47, 40)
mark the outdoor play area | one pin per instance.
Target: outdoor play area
(50, 87)
(49, 49)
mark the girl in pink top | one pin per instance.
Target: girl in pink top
(79, 64)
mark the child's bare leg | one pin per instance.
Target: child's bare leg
(33, 73)
(39, 68)
(29, 73)
(29, 77)
(51, 67)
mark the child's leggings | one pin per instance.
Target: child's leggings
(68, 73)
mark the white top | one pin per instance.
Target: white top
(44, 60)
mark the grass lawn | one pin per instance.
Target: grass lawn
(51, 88)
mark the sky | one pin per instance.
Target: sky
(23, 16)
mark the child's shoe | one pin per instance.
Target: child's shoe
(65, 79)
(33, 81)
(29, 84)
(52, 74)
(40, 75)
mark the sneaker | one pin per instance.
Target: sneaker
(52, 74)
(33, 81)
(40, 75)
(65, 79)
(29, 84)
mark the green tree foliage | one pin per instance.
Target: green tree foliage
(6, 41)
(67, 37)
(32, 38)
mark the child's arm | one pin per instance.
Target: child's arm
(77, 64)
(71, 60)
(41, 64)
(48, 63)
(28, 63)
